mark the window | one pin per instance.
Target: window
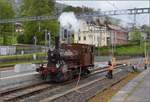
(65, 33)
(79, 38)
(84, 37)
(87, 22)
(92, 49)
(73, 36)
(86, 50)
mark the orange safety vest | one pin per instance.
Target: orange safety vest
(145, 60)
(110, 68)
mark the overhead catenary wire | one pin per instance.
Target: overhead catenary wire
(51, 17)
(112, 36)
(130, 18)
(134, 22)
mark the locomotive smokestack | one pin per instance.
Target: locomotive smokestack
(57, 42)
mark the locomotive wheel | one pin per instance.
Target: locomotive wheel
(48, 77)
(59, 77)
(69, 75)
(85, 72)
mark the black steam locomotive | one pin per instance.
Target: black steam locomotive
(67, 61)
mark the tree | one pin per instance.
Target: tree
(135, 35)
(77, 10)
(37, 28)
(6, 12)
(146, 29)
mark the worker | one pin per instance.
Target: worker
(110, 70)
(145, 62)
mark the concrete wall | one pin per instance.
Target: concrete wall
(7, 50)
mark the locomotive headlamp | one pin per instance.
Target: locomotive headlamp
(124, 64)
(57, 65)
(52, 54)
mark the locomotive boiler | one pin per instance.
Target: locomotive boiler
(67, 61)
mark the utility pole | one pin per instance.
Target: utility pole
(149, 38)
(134, 18)
(134, 21)
(49, 39)
(45, 37)
(45, 40)
(149, 13)
(60, 33)
(35, 40)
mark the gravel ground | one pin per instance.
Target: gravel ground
(59, 89)
(12, 83)
(106, 95)
(85, 93)
(75, 96)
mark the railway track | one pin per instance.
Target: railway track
(85, 91)
(24, 91)
(17, 88)
(34, 91)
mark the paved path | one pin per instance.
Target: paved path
(137, 90)
(142, 92)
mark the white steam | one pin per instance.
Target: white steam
(69, 21)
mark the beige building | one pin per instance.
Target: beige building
(90, 33)
(93, 31)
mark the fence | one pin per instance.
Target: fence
(7, 50)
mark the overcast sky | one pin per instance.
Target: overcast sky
(114, 5)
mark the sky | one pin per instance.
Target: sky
(105, 5)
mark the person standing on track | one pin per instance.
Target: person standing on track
(110, 70)
(145, 62)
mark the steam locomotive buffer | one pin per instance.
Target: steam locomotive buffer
(67, 61)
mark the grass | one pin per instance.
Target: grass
(124, 50)
(25, 56)
(130, 50)
(19, 59)
(8, 64)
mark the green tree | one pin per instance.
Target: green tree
(77, 9)
(6, 12)
(135, 35)
(146, 29)
(36, 28)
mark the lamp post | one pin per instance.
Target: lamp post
(45, 38)
(49, 39)
(35, 40)
(35, 43)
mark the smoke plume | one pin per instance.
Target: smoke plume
(69, 21)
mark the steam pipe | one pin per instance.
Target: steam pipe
(60, 31)
(57, 42)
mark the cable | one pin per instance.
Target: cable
(79, 77)
(77, 84)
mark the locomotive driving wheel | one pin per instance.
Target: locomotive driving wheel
(59, 77)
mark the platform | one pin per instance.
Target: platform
(137, 90)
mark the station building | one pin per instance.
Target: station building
(92, 33)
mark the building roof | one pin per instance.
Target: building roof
(116, 28)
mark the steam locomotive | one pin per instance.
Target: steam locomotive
(67, 61)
